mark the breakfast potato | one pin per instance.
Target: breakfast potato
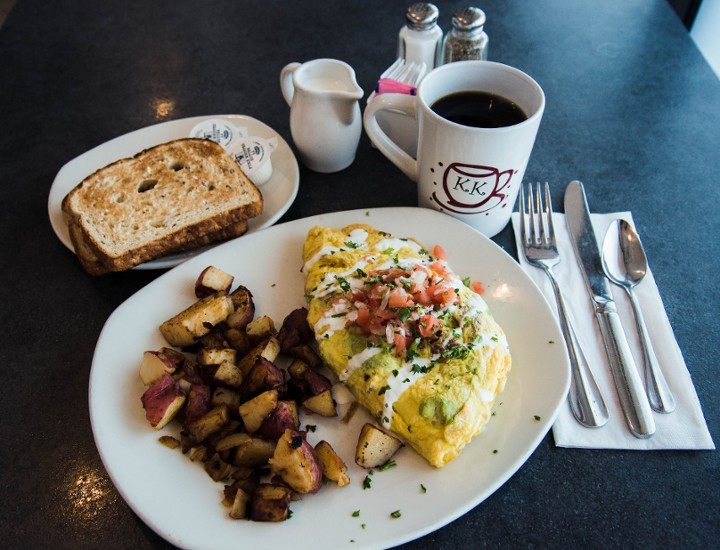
(267, 349)
(185, 328)
(198, 402)
(306, 353)
(271, 503)
(154, 364)
(254, 411)
(162, 400)
(225, 396)
(283, 416)
(244, 308)
(217, 468)
(294, 460)
(212, 280)
(240, 508)
(264, 375)
(294, 330)
(375, 447)
(333, 467)
(237, 339)
(260, 328)
(215, 356)
(253, 452)
(323, 404)
(229, 373)
(208, 424)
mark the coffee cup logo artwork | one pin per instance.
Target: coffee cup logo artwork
(471, 188)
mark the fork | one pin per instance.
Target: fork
(540, 249)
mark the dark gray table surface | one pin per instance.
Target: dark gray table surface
(633, 110)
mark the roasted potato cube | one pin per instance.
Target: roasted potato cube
(294, 330)
(260, 328)
(307, 354)
(225, 396)
(215, 356)
(208, 424)
(268, 349)
(229, 373)
(284, 416)
(217, 468)
(212, 280)
(295, 462)
(333, 467)
(154, 364)
(240, 508)
(322, 404)
(237, 338)
(198, 402)
(162, 400)
(254, 452)
(244, 308)
(375, 447)
(271, 503)
(263, 376)
(254, 411)
(195, 321)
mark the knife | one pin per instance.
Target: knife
(631, 392)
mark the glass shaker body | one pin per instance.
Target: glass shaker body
(420, 40)
(467, 39)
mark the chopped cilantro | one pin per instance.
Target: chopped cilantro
(356, 513)
(383, 390)
(423, 489)
(367, 482)
(310, 427)
(537, 418)
(351, 244)
(389, 464)
(344, 285)
(396, 514)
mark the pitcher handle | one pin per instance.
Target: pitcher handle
(286, 82)
(403, 104)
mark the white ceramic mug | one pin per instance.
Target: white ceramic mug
(471, 173)
(325, 119)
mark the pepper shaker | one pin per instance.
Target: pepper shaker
(467, 39)
(420, 39)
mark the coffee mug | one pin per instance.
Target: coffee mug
(465, 168)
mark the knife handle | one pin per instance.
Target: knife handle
(633, 399)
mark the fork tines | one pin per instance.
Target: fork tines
(541, 231)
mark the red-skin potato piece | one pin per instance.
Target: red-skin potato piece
(294, 330)
(263, 376)
(208, 424)
(242, 300)
(294, 460)
(322, 404)
(270, 503)
(254, 411)
(307, 354)
(283, 417)
(333, 467)
(268, 349)
(198, 402)
(317, 383)
(162, 400)
(212, 280)
(153, 365)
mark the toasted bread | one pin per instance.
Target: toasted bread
(173, 197)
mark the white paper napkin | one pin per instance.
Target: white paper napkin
(685, 428)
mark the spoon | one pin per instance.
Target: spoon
(625, 264)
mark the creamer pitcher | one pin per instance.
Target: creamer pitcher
(325, 121)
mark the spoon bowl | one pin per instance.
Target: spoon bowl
(625, 264)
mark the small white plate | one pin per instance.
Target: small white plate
(180, 502)
(278, 193)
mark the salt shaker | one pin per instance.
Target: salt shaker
(421, 37)
(467, 39)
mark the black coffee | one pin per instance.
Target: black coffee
(479, 109)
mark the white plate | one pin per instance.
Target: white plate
(278, 193)
(178, 500)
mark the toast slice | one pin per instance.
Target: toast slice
(173, 197)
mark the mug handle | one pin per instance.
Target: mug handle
(286, 81)
(399, 103)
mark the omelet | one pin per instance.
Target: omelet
(415, 345)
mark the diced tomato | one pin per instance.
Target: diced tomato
(400, 298)
(443, 294)
(477, 287)
(439, 252)
(429, 325)
(400, 343)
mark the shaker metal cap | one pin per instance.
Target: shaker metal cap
(467, 19)
(421, 16)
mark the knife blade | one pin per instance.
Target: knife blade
(633, 400)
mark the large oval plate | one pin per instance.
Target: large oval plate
(278, 193)
(178, 500)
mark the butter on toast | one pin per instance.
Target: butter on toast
(173, 197)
